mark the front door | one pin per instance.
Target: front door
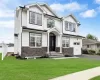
(52, 42)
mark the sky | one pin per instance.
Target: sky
(87, 13)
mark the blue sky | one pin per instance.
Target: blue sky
(86, 11)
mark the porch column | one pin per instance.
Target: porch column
(60, 43)
(48, 44)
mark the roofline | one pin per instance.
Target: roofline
(49, 8)
(24, 27)
(53, 16)
(74, 35)
(91, 43)
(73, 18)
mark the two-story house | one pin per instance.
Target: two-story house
(39, 31)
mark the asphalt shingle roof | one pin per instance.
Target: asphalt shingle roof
(90, 41)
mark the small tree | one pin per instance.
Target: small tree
(90, 36)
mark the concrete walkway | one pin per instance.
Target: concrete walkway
(82, 75)
(64, 58)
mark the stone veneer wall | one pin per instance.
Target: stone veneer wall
(27, 51)
(68, 51)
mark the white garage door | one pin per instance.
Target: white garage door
(77, 48)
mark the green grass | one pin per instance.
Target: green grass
(42, 69)
(96, 78)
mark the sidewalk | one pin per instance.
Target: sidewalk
(82, 75)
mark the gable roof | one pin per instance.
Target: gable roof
(29, 5)
(73, 18)
(90, 41)
(46, 5)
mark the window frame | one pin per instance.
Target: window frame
(35, 40)
(47, 22)
(65, 40)
(69, 28)
(35, 18)
(76, 43)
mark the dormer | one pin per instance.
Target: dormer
(70, 25)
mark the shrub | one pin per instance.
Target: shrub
(45, 56)
(12, 55)
(84, 51)
(98, 53)
(91, 51)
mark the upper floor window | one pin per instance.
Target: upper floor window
(50, 23)
(76, 43)
(70, 26)
(65, 42)
(35, 40)
(35, 18)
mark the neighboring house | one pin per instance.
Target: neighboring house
(10, 48)
(90, 44)
(39, 31)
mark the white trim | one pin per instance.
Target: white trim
(49, 8)
(48, 44)
(60, 43)
(72, 17)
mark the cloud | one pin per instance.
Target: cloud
(98, 9)
(97, 1)
(88, 14)
(74, 6)
(6, 13)
(7, 24)
(6, 10)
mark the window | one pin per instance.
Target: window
(66, 25)
(88, 46)
(70, 26)
(35, 18)
(76, 43)
(50, 23)
(65, 42)
(35, 40)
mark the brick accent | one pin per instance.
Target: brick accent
(68, 51)
(27, 51)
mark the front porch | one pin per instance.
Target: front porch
(54, 41)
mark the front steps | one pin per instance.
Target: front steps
(55, 55)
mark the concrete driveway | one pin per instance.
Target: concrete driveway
(95, 57)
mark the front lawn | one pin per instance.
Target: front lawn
(96, 78)
(42, 69)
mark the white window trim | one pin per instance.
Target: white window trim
(47, 23)
(69, 27)
(35, 18)
(65, 42)
(35, 40)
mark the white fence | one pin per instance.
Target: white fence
(5, 49)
